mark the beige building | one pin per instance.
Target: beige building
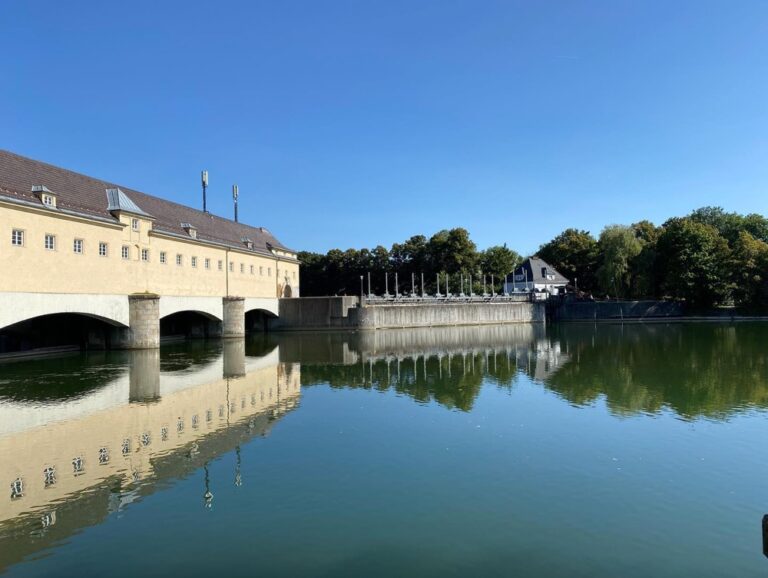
(89, 244)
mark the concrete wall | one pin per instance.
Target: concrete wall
(597, 310)
(423, 315)
(315, 313)
(343, 313)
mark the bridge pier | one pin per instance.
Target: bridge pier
(233, 317)
(143, 321)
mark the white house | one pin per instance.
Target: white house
(536, 275)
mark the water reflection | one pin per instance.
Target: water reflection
(71, 461)
(83, 436)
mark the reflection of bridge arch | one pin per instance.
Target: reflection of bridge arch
(18, 307)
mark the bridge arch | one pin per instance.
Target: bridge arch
(210, 307)
(19, 307)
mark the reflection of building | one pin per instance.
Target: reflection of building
(46, 464)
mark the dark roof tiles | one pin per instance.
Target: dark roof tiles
(88, 196)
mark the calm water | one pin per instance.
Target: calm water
(496, 451)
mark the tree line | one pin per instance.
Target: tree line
(709, 257)
(448, 252)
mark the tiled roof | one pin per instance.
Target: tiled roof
(88, 196)
(534, 266)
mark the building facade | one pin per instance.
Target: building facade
(63, 233)
(536, 275)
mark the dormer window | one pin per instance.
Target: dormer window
(46, 196)
(191, 231)
(247, 242)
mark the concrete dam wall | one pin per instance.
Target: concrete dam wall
(344, 313)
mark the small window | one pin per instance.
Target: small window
(242, 268)
(207, 263)
(17, 237)
(103, 250)
(194, 261)
(126, 252)
(252, 269)
(261, 271)
(231, 266)
(135, 224)
(77, 246)
(221, 265)
(145, 254)
(50, 242)
(178, 260)
(48, 201)
(163, 257)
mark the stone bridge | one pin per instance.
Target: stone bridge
(135, 318)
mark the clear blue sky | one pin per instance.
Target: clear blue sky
(352, 124)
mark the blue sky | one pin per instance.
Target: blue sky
(352, 124)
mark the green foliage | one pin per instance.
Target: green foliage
(750, 271)
(618, 246)
(499, 261)
(573, 253)
(694, 260)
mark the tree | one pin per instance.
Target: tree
(499, 261)
(618, 246)
(452, 251)
(574, 254)
(750, 271)
(694, 262)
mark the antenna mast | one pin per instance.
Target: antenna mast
(204, 178)
(235, 194)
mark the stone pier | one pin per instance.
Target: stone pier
(233, 317)
(143, 321)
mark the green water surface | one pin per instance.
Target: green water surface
(575, 450)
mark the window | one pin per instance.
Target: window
(48, 201)
(178, 260)
(126, 252)
(163, 257)
(103, 250)
(17, 237)
(232, 266)
(135, 224)
(77, 246)
(242, 268)
(145, 254)
(50, 242)
(252, 270)
(221, 265)
(261, 271)
(194, 261)
(207, 263)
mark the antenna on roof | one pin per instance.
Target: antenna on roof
(235, 194)
(204, 178)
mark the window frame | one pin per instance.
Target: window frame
(52, 237)
(125, 252)
(163, 258)
(105, 247)
(179, 260)
(135, 224)
(78, 244)
(21, 237)
(145, 255)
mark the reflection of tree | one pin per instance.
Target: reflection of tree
(454, 382)
(694, 369)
